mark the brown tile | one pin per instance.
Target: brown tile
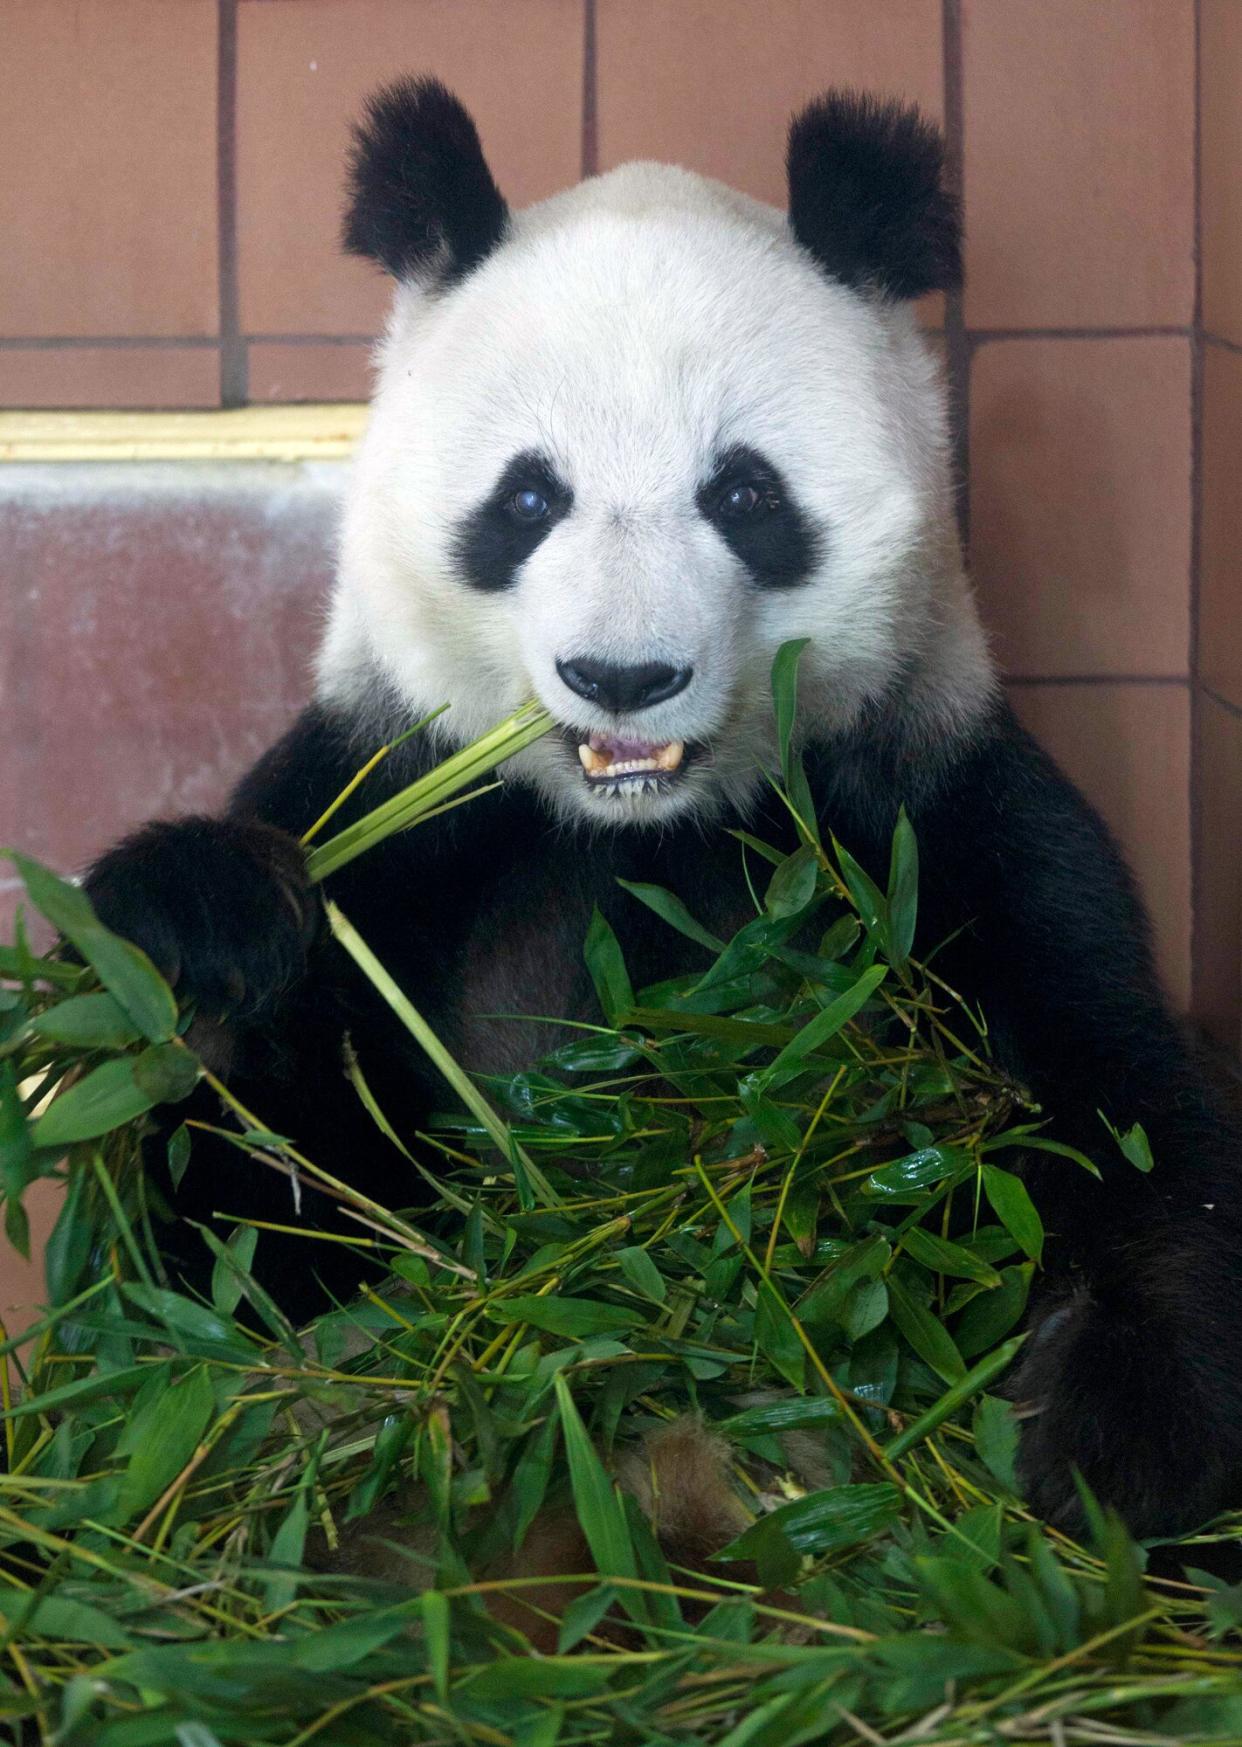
(711, 84)
(1079, 120)
(1080, 503)
(1220, 564)
(156, 624)
(1128, 749)
(106, 376)
(311, 372)
(1220, 166)
(108, 140)
(303, 72)
(1218, 916)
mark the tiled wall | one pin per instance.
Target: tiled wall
(170, 208)
(1217, 650)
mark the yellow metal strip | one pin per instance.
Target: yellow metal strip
(249, 433)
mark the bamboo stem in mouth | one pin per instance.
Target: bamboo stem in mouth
(431, 792)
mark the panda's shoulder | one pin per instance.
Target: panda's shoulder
(314, 760)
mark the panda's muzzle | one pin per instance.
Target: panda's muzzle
(621, 762)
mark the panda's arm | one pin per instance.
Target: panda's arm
(1135, 1363)
(223, 904)
(1056, 949)
(298, 778)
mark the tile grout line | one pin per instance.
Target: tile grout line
(112, 342)
(1050, 679)
(1194, 580)
(171, 342)
(590, 94)
(232, 345)
(974, 338)
(957, 342)
(986, 336)
(309, 339)
(1218, 698)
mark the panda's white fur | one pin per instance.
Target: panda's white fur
(630, 328)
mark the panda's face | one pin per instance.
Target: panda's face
(640, 447)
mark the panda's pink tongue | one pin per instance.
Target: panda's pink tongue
(618, 749)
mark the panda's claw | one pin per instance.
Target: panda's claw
(223, 908)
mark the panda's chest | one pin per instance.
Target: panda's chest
(521, 964)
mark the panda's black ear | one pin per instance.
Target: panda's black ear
(867, 195)
(422, 201)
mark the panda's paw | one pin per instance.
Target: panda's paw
(223, 908)
(1108, 1398)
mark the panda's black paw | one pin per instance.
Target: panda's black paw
(1108, 1397)
(222, 907)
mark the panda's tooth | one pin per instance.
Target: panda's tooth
(595, 763)
(602, 767)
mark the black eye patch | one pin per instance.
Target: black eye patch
(518, 514)
(748, 503)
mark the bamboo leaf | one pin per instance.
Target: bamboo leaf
(607, 967)
(793, 884)
(902, 898)
(163, 1437)
(669, 908)
(785, 696)
(642, 1273)
(107, 1098)
(977, 1378)
(817, 1031)
(597, 1503)
(1012, 1205)
(436, 1632)
(996, 1437)
(125, 972)
(823, 1522)
(87, 1022)
(777, 1338)
(1134, 1144)
(573, 1317)
(943, 1256)
(930, 1340)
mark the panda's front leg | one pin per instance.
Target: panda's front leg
(1132, 1375)
(1132, 1381)
(224, 909)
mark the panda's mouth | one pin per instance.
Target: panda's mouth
(621, 764)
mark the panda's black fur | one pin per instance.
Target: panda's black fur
(1135, 1363)
(422, 198)
(867, 196)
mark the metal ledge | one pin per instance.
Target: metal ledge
(249, 433)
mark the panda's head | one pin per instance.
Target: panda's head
(629, 441)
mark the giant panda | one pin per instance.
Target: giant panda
(624, 445)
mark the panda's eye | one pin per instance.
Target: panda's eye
(528, 505)
(741, 501)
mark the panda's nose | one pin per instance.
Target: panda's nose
(624, 688)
